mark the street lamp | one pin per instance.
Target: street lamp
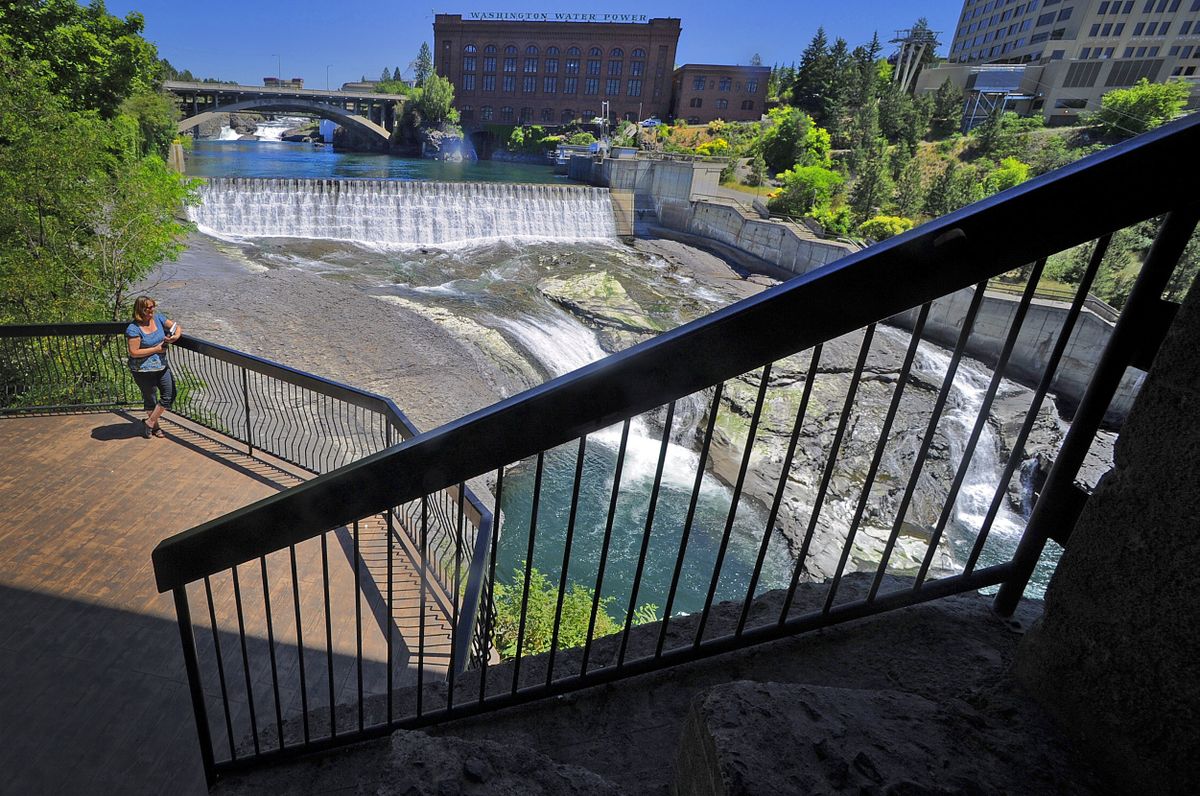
(278, 68)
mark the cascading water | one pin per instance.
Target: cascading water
(397, 213)
(228, 134)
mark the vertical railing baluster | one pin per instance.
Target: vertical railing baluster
(608, 528)
(183, 617)
(424, 565)
(457, 596)
(262, 561)
(566, 561)
(490, 593)
(300, 645)
(358, 643)
(391, 615)
(212, 618)
(328, 634)
(533, 521)
(237, 600)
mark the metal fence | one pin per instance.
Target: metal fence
(606, 478)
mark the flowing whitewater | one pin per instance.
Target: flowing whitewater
(393, 213)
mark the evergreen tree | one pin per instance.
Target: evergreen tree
(937, 200)
(396, 74)
(424, 65)
(386, 75)
(910, 189)
(812, 76)
(873, 187)
(838, 92)
(947, 108)
(756, 60)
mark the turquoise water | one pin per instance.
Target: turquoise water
(309, 161)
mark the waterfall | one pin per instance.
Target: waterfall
(228, 134)
(401, 213)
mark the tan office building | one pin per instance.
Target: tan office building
(704, 92)
(531, 69)
(1073, 51)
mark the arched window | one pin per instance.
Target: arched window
(506, 113)
(551, 51)
(638, 53)
(573, 51)
(485, 113)
(470, 48)
(531, 50)
(491, 48)
(566, 116)
(617, 52)
(510, 49)
(696, 102)
(595, 51)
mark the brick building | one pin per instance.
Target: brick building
(704, 92)
(534, 71)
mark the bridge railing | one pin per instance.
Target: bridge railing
(612, 517)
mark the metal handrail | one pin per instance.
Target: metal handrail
(947, 254)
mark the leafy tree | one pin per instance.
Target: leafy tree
(835, 219)
(957, 186)
(805, 187)
(435, 101)
(947, 108)
(1128, 111)
(792, 138)
(910, 189)
(94, 59)
(1009, 173)
(884, 227)
(157, 115)
(424, 65)
(873, 188)
(582, 138)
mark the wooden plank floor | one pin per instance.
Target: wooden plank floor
(94, 697)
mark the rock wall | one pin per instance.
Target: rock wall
(1114, 656)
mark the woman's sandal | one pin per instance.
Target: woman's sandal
(157, 431)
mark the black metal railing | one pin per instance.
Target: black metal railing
(313, 423)
(844, 449)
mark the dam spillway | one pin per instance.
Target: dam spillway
(402, 213)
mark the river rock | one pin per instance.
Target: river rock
(245, 123)
(601, 301)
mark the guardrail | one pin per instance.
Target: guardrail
(591, 427)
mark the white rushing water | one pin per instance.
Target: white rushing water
(228, 134)
(399, 213)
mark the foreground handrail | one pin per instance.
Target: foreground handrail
(947, 254)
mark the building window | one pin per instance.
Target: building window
(489, 82)
(591, 86)
(469, 64)
(638, 53)
(696, 102)
(637, 68)
(1046, 19)
(491, 48)
(549, 85)
(612, 88)
(466, 113)
(1065, 14)
(751, 86)
(531, 50)
(747, 105)
(485, 113)
(617, 52)
(573, 51)
(510, 50)
(530, 65)
(470, 48)
(468, 82)
(572, 66)
(566, 116)
(699, 82)
(509, 85)
(529, 85)
(570, 85)
(506, 113)
(614, 68)
(489, 64)
(526, 115)
(551, 51)
(510, 64)
(635, 88)
(552, 66)
(548, 115)
(722, 104)
(593, 67)
(595, 51)
(588, 115)
(725, 84)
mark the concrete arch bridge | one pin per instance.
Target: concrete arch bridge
(373, 115)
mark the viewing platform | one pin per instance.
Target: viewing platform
(96, 695)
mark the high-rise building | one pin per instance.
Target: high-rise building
(1071, 51)
(532, 69)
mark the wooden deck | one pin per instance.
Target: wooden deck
(94, 695)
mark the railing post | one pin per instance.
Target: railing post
(184, 616)
(246, 405)
(1123, 347)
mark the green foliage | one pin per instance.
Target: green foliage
(1010, 172)
(393, 86)
(873, 188)
(540, 609)
(957, 186)
(884, 227)
(1128, 111)
(715, 147)
(93, 59)
(792, 139)
(434, 101)
(910, 189)
(423, 68)
(835, 219)
(581, 138)
(529, 140)
(804, 188)
(156, 115)
(758, 170)
(947, 108)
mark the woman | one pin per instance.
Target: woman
(148, 337)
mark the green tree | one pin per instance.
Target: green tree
(957, 186)
(884, 227)
(396, 75)
(424, 65)
(157, 117)
(756, 60)
(813, 76)
(1009, 173)
(94, 59)
(792, 138)
(385, 75)
(947, 108)
(873, 187)
(435, 101)
(805, 187)
(910, 189)
(1129, 111)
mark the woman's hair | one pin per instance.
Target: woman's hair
(140, 312)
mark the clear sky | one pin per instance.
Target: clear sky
(244, 40)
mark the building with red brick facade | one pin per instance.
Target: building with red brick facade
(531, 70)
(704, 92)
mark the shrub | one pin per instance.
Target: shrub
(717, 146)
(581, 139)
(805, 187)
(1144, 106)
(884, 227)
(835, 220)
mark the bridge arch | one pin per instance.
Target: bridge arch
(282, 104)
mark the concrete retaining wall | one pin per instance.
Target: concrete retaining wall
(777, 242)
(1037, 338)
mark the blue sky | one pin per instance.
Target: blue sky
(241, 39)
